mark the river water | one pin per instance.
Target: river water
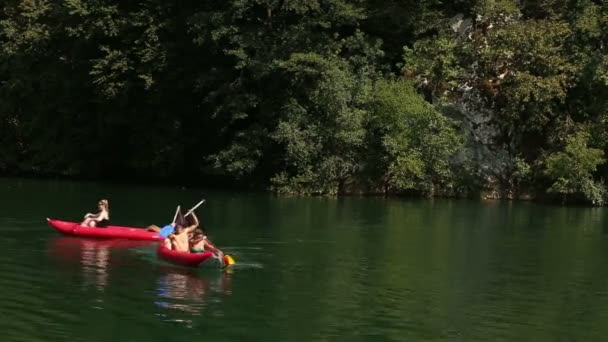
(308, 269)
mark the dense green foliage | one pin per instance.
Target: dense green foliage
(310, 96)
(573, 168)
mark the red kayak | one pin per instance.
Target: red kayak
(192, 259)
(108, 232)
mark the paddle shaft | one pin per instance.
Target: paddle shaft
(194, 208)
(176, 213)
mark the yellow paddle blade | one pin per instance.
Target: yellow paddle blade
(228, 260)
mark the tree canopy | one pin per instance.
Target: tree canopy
(311, 96)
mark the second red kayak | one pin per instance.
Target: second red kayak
(193, 259)
(108, 232)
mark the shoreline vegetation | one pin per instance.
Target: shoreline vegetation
(480, 99)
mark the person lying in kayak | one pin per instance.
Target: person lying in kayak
(100, 219)
(180, 237)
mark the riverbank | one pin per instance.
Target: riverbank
(496, 194)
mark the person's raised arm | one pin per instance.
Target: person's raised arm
(191, 228)
(195, 219)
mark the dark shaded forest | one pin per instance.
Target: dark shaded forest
(499, 98)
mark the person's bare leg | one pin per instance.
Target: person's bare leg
(153, 228)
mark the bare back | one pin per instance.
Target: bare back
(180, 242)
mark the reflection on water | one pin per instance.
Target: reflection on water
(93, 255)
(182, 289)
(187, 291)
(95, 260)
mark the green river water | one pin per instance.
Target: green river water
(308, 269)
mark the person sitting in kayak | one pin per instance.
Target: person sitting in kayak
(198, 243)
(100, 219)
(180, 237)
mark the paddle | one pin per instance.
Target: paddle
(226, 259)
(194, 208)
(176, 213)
